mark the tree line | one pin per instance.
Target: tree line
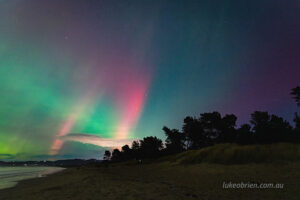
(212, 128)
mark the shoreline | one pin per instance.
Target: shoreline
(32, 175)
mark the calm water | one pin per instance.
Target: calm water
(10, 176)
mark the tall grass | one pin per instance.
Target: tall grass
(238, 154)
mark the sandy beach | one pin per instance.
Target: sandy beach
(159, 181)
(10, 176)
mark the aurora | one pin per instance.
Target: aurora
(77, 76)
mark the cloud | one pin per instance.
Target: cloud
(96, 140)
(77, 145)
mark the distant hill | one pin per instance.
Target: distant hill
(61, 163)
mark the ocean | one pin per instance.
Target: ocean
(10, 176)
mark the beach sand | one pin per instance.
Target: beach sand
(159, 181)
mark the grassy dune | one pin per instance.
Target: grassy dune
(237, 154)
(169, 179)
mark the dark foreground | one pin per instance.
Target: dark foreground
(160, 181)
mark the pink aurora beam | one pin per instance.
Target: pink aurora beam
(132, 108)
(126, 85)
(131, 84)
(65, 129)
(71, 120)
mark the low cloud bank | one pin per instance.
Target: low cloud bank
(96, 140)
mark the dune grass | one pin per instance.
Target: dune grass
(240, 154)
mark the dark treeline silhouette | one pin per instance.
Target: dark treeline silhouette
(148, 147)
(211, 128)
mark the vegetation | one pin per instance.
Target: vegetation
(107, 155)
(239, 154)
(211, 128)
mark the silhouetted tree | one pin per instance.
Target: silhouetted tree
(126, 148)
(244, 135)
(227, 131)
(116, 155)
(218, 129)
(269, 129)
(195, 137)
(260, 121)
(296, 94)
(211, 123)
(107, 155)
(280, 129)
(136, 151)
(135, 145)
(150, 147)
(175, 140)
(126, 152)
(209, 129)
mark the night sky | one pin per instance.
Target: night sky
(79, 76)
